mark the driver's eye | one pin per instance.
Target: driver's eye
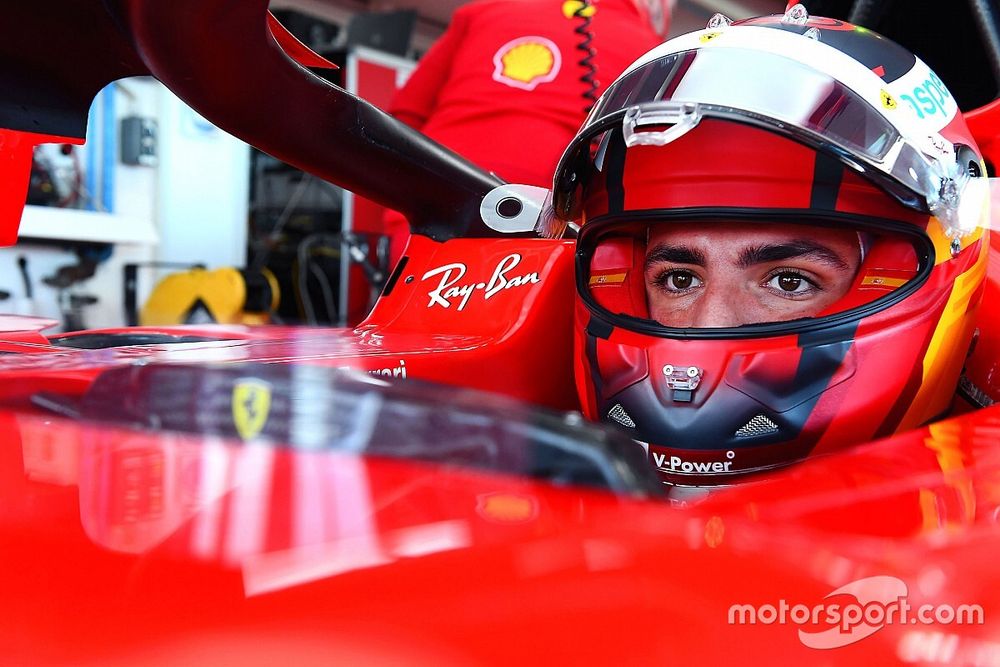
(678, 280)
(790, 282)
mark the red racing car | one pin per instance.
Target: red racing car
(421, 488)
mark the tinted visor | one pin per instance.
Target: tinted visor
(661, 100)
(758, 86)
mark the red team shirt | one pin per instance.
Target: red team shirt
(502, 86)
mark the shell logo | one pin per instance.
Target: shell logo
(527, 62)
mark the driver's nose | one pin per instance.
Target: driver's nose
(721, 307)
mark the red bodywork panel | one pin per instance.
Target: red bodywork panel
(126, 547)
(493, 315)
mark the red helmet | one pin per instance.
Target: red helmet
(782, 245)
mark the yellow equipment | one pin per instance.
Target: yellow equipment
(223, 296)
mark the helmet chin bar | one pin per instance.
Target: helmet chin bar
(728, 432)
(742, 409)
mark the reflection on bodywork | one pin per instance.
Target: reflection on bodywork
(49, 453)
(315, 408)
(267, 572)
(282, 518)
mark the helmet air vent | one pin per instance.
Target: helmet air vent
(619, 415)
(756, 427)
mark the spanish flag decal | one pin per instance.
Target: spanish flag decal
(608, 279)
(883, 282)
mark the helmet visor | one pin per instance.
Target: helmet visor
(663, 99)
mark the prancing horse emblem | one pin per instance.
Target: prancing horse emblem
(251, 405)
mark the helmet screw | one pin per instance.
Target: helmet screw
(719, 21)
(796, 15)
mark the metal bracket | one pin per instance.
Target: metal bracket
(512, 208)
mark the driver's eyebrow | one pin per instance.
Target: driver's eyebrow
(796, 249)
(675, 255)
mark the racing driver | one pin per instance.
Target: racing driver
(781, 245)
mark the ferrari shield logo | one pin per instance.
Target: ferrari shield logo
(251, 405)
